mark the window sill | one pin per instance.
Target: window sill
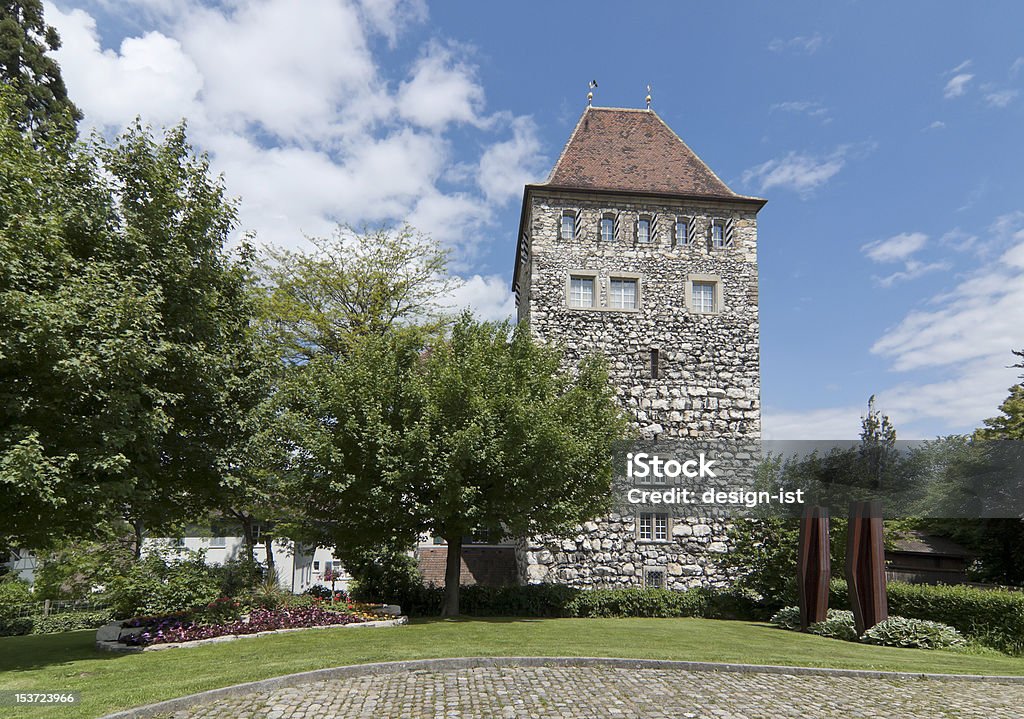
(604, 309)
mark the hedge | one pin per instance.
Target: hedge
(993, 617)
(559, 600)
(55, 623)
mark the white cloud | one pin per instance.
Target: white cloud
(1017, 66)
(506, 166)
(488, 297)
(828, 423)
(958, 240)
(298, 109)
(957, 85)
(441, 90)
(805, 107)
(808, 44)
(896, 248)
(149, 76)
(936, 125)
(961, 67)
(913, 270)
(1000, 98)
(797, 171)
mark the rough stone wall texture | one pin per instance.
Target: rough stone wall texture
(708, 383)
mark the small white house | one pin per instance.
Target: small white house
(297, 567)
(23, 564)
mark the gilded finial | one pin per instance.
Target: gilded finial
(590, 95)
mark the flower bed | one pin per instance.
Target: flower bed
(179, 628)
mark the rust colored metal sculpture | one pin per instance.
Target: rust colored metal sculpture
(865, 565)
(813, 566)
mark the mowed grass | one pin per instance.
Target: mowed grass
(109, 682)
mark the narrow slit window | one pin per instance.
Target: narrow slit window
(654, 363)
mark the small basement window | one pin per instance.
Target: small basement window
(654, 578)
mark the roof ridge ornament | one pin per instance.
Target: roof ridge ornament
(648, 96)
(590, 95)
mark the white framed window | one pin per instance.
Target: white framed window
(718, 234)
(581, 291)
(316, 566)
(218, 542)
(654, 578)
(607, 229)
(703, 296)
(681, 232)
(567, 230)
(643, 229)
(652, 526)
(622, 293)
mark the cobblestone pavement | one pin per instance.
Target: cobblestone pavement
(599, 692)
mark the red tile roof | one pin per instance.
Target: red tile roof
(632, 150)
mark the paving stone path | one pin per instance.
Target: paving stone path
(600, 692)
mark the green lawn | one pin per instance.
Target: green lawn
(68, 662)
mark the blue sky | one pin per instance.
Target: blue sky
(887, 139)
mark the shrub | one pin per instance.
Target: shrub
(787, 618)
(839, 624)
(70, 621)
(16, 627)
(993, 617)
(158, 586)
(15, 598)
(639, 603)
(913, 633)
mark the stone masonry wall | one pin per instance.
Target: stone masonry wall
(709, 369)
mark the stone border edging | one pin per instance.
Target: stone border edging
(449, 664)
(115, 646)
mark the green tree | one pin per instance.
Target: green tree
(480, 431)
(352, 284)
(25, 39)
(1009, 424)
(119, 308)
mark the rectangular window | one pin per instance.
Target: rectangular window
(607, 229)
(643, 230)
(653, 526)
(581, 292)
(623, 294)
(568, 229)
(218, 542)
(681, 236)
(654, 578)
(703, 296)
(316, 566)
(655, 361)
(718, 234)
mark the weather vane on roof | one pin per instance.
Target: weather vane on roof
(590, 95)
(648, 97)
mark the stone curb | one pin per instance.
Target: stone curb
(114, 646)
(450, 664)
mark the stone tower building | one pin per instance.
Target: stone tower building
(635, 248)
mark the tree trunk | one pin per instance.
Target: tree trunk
(452, 574)
(268, 545)
(137, 545)
(247, 532)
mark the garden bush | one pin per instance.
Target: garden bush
(71, 621)
(913, 633)
(639, 603)
(993, 617)
(787, 618)
(157, 585)
(838, 624)
(15, 598)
